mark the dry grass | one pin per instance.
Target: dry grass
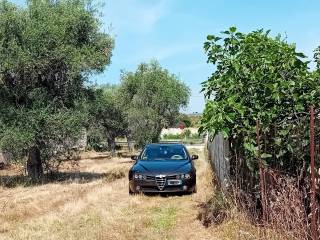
(100, 208)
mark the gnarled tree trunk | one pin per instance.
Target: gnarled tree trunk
(4, 159)
(112, 145)
(130, 144)
(156, 137)
(34, 164)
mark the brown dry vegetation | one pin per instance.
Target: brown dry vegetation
(91, 202)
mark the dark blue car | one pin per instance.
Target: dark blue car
(163, 168)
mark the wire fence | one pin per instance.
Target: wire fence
(286, 202)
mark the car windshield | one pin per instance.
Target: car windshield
(161, 152)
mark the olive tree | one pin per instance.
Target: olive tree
(152, 98)
(47, 51)
(107, 116)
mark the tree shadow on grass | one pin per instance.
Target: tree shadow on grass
(59, 177)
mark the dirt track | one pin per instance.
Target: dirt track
(95, 204)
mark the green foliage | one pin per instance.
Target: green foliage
(152, 98)
(186, 133)
(47, 51)
(259, 78)
(108, 119)
(96, 138)
(184, 118)
(194, 136)
(190, 120)
(317, 57)
(171, 136)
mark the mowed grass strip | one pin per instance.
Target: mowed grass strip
(162, 219)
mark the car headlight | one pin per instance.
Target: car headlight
(185, 176)
(139, 176)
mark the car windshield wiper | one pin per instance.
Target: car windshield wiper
(163, 159)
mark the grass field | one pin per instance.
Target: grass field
(91, 201)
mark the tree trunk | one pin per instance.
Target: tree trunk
(156, 137)
(130, 144)
(34, 164)
(4, 159)
(112, 145)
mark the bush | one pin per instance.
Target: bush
(250, 85)
(186, 133)
(171, 136)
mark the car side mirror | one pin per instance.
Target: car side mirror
(134, 157)
(194, 157)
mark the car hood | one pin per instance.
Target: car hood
(162, 166)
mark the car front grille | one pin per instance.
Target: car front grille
(160, 181)
(150, 177)
(170, 177)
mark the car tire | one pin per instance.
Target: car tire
(195, 189)
(131, 192)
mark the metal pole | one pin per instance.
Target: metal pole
(314, 230)
(261, 175)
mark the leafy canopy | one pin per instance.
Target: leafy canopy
(258, 78)
(47, 51)
(152, 98)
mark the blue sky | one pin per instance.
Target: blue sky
(173, 32)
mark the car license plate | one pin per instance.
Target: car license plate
(174, 182)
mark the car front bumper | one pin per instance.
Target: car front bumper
(145, 186)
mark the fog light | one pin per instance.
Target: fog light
(185, 176)
(139, 176)
(138, 188)
(185, 188)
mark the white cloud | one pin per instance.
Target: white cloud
(139, 16)
(162, 52)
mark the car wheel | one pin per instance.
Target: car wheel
(195, 189)
(131, 192)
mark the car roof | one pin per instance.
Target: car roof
(166, 144)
